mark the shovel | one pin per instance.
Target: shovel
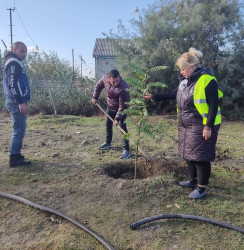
(145, 155)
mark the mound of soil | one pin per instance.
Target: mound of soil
(222, 154)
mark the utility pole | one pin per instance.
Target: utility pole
(73, 65)
(81, 66)
(81, 62)
(11, 35)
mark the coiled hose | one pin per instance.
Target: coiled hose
(52, 211)
(184, 216)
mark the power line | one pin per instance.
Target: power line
(25, 27)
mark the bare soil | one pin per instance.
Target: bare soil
(70, 174)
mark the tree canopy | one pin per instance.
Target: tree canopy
(169, 28)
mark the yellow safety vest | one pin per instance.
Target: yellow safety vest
(199, 98)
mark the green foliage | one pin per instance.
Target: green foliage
(147, 127)
(139, 86)
(55, 87)
(231, 80)
(169, 28)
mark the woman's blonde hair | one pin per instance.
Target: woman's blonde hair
(188, 59)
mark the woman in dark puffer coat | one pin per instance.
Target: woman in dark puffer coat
(199, 118)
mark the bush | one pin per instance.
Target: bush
(55, 88)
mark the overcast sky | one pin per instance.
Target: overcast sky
(63, 25)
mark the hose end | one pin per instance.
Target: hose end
(133, 226)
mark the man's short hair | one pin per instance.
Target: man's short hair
(113, 73)
(16, 44)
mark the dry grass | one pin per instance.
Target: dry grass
(66, 175)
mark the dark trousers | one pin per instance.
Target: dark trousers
(109, 128)
(200, 171)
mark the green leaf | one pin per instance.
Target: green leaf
(134, 93)
(137, 67)
(132, 112)
(135, 83)
(145, 112)
(137, 142)
(138, 101)
(127, 136)
(157, 68)
(156, 84)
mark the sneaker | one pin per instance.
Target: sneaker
(192, 184)
(105, 145)
(197, 193)
(17, 160)
(125, 154)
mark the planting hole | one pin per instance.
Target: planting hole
(145, 169)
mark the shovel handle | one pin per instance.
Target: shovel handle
(110, 118)
(146, 155)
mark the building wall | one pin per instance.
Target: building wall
(103, 64)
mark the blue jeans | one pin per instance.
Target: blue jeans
(19, 127)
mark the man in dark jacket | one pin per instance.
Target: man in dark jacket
(117, 98)
(17, 91)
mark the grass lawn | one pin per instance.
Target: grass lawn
(69, 174)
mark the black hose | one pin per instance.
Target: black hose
(52, 211)
(184, 216)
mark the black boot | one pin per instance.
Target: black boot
(21, 156)
(18, 160)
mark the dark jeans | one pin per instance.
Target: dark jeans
(109, 128)
(200, 171)
(19, 127)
